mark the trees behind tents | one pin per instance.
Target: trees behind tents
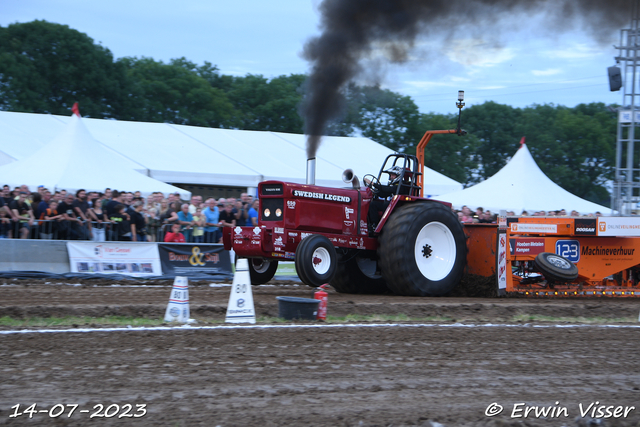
(46, 67)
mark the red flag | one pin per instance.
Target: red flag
(521, 141)
(75, 110)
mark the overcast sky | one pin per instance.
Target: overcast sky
(266, 37)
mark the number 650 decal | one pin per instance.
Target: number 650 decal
(570, 249)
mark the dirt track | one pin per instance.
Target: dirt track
(350, 376)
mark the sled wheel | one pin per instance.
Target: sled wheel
(315, 260)
(556, 268)
(356, 274)
(262, 270)
(422, 250)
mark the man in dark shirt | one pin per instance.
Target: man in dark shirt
(227, 217)
(82, 211)
(6, 195)
(138, 223)
(121, 223)
(44, 204)
(69, 227)
(23, 214)
(110, 210)
(116, 199)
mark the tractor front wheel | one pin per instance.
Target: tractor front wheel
(315, 260)
(422, 250)
(262, 270)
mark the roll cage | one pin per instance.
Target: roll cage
(409, 173)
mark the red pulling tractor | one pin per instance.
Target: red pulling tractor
(407, 244)
(417, 248)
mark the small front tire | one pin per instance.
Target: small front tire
(262, 270)
(316, 260)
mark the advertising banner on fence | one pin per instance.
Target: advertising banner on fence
(133, 259)
(628, 226)
(186, 259)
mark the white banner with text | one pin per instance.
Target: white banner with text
(133, 259)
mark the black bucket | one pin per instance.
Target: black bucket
(291, 308)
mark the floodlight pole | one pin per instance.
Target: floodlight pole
(626, 185)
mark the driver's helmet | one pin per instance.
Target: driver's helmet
(397, 170)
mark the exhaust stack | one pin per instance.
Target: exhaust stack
(311, 171)
(349, 176)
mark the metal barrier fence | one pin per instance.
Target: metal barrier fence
(95, 231)
(191, 235)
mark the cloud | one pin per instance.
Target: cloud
(478, 53)
(423, 84)
(574, 51)
(547, 72)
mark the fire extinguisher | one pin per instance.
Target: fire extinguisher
(322, 295)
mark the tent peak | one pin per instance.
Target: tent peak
(76, 110)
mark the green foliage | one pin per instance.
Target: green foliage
(265, 104)
(575, 147)
(174, 93)
(451, 155)
(493, 125)
(386, 117)
(46, 67)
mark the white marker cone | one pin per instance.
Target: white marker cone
(178, 308)
(240, 308)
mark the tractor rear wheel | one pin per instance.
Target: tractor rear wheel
(262, 270)
(356, 274)
(423, 250)
(316, 260)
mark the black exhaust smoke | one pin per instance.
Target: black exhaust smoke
(353, 29)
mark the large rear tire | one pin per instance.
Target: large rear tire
(356, 274)
(316, 260)
(262, 270)
(423, 250)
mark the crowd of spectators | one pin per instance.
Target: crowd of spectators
(119, 216)
(482, 216)
(125, 216)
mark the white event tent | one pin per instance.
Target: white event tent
(74, 160)
(181, 154)
(520, 186)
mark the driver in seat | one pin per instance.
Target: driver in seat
(381, 192)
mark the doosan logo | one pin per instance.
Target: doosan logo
(585, 229)
(586, 226)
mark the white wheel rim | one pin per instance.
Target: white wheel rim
(321, 261)
(260, 265)
(559, 262)
(435, 251)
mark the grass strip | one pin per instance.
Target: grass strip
(78, 321)
(581, 320)
(122, 321)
